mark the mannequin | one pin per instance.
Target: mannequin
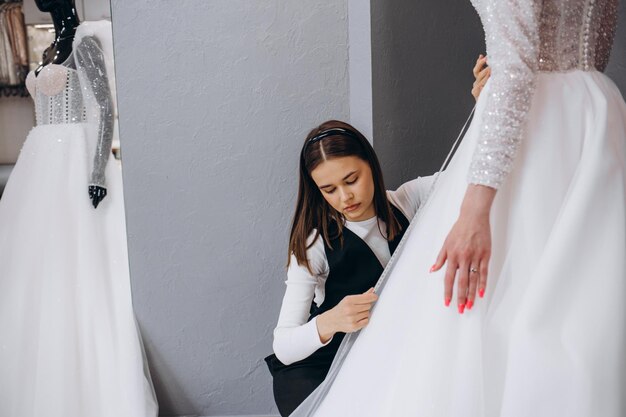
(65, 20)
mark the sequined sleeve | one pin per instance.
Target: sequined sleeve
(97, 94)
(512, 37)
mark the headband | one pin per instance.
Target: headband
(330, 132)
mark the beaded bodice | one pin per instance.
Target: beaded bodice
(576, 34)
(524, 38)
(79, 91)
(57, 95)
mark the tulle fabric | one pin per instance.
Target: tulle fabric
(69, 343)
(548, 338)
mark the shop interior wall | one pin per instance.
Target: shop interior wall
(617, 65)
(422, 58)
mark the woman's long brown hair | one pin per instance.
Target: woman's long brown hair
(312, 210)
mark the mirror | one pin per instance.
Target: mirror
(70, 341)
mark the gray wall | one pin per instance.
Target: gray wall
(360, 66)
(215, 99)
(617, 65)
(422, 56)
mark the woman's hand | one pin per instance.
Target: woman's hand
(481, 75)
(351, 314)
(467, 248)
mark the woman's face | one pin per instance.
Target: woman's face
(347, 185)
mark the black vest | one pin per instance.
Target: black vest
(353, 269)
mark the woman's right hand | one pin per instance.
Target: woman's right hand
(481, 75)
(351, 314)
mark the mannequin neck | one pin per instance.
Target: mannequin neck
(65, 20)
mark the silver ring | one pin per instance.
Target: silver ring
(473, 270)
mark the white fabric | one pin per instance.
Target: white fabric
(548, 338)
(294, 337)
(69, 345)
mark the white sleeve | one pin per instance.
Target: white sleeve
(294, 337)
(411, 195)
(512, 37)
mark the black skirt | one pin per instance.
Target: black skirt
(293, 383)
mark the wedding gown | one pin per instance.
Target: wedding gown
(69, 343)
(548, 339)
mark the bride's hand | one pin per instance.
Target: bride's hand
(467, 248)
(481, 75)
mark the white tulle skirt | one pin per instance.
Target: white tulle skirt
(69, 344)
(549, 337)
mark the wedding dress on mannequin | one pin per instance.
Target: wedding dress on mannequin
(549, 336)
(69, 343)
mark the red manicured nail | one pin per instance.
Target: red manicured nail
(447, 302)
(469, 304)
(432, 268)
(481, 292)
(461, 308)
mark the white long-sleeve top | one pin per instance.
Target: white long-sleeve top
(294, 337)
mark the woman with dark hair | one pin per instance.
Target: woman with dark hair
(345, 228)
(527, 229)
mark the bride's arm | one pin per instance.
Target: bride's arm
(512, 41)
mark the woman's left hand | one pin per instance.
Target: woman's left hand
(467, 248)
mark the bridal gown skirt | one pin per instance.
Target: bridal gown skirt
(548, 339)
(69, 344)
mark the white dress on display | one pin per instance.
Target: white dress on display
(69, 343)
(549, 337)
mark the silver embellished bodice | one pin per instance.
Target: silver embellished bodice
(57, 95)
(79, 92)
(576, 34)
(524, 38)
